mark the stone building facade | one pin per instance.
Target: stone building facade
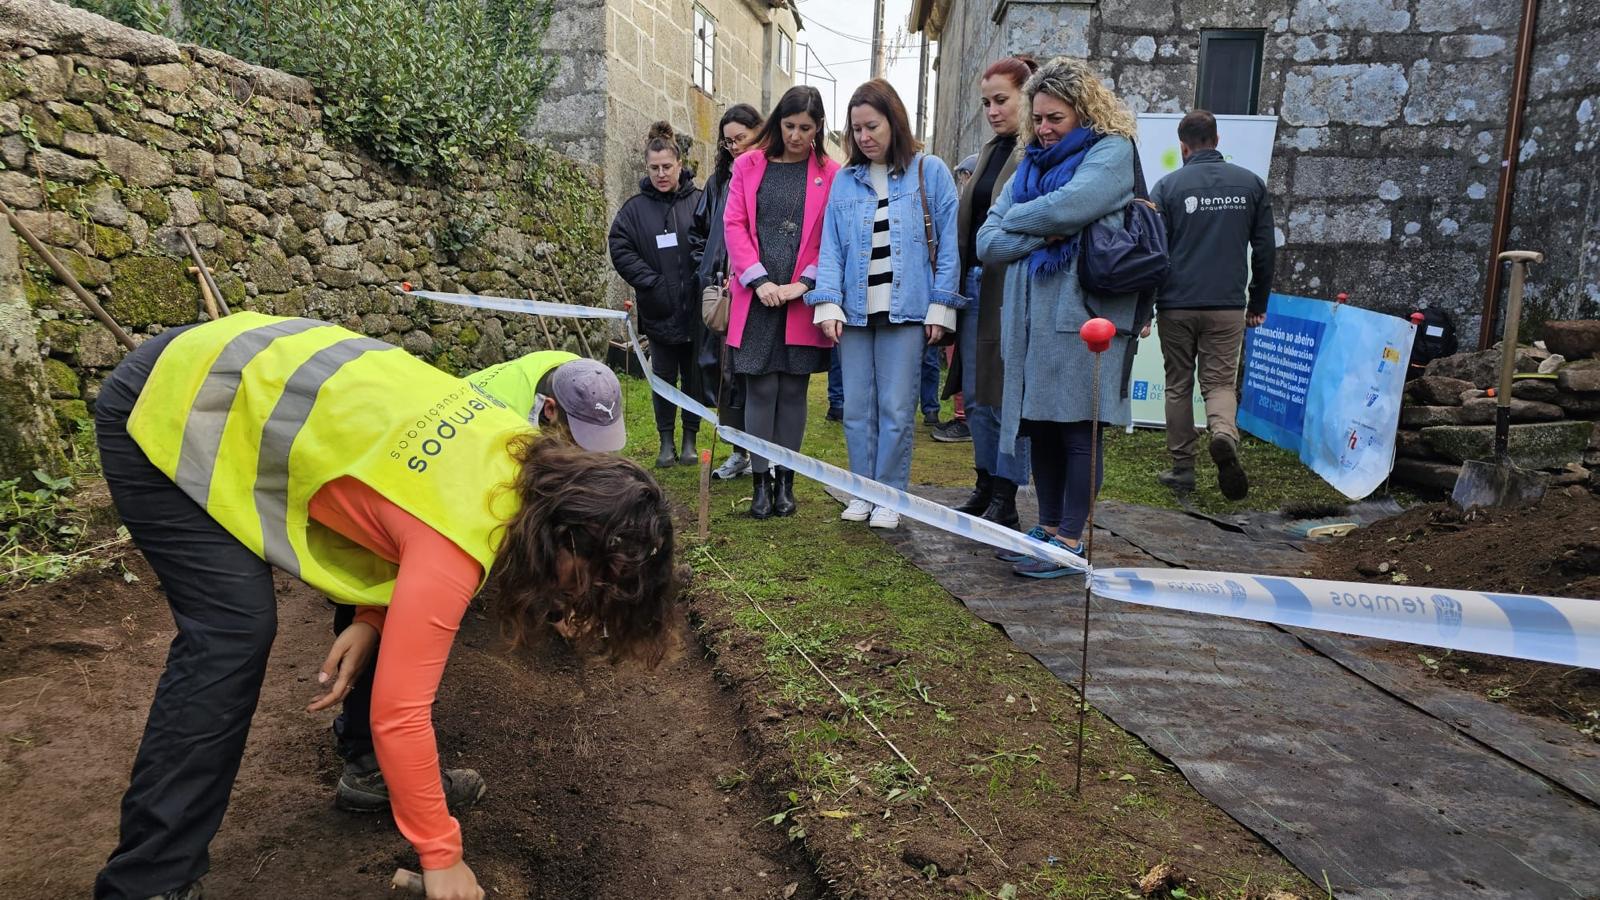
(623, 64)
(1392, 117)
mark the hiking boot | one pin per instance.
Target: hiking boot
(1178, 478)
(783, 491)
(761, 497)
(982, 493)
(668, 456)
(1002, 509)
(835, 414)
(1037, 533)
(688, 455)
(738, 463)
(190, 891)
(362, 788)
(1231, 479)
(954, 431)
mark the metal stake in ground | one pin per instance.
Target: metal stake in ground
(1097, 334)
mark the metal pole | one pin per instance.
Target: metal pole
(1508, 171)
(1088, 576)
(877, 38)
(922, 90)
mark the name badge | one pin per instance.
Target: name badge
(663, 241)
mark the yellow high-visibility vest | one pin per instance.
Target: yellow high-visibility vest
(251, 415)
(515, 383)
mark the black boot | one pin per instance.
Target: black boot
(668, 455)
(1003, 508)
(689, 456)
(783, 491)
(981, 495)
(761, 500)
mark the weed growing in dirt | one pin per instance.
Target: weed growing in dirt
(41, 531)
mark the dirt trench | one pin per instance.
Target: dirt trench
(603, 783)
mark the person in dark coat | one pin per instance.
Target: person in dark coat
(650, 249)
(736, 132)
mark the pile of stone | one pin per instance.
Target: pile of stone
(1449, 412)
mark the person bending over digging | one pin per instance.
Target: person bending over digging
(562, 395)
(255, 441)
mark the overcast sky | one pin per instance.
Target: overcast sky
(839, 33)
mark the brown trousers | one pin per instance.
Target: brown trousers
(1209, 339)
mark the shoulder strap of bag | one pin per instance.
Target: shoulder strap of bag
(927, 219)
(1140, 191)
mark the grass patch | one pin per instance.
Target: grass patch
(986, 725)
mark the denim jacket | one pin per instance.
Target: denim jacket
(847, 243)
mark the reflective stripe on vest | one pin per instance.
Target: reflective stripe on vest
(250, 415)
(516, 382)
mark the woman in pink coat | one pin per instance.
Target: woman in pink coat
(773, 228)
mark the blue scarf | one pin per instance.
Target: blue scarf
(1042, 171)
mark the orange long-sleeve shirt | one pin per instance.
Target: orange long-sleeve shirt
(436, 582)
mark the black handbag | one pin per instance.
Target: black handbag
(1132, 258)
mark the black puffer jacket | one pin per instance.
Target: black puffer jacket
(649, 244)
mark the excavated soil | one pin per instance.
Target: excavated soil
(603, 782)
(1552, 549)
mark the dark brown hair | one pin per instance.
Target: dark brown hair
(903, 144)
(745, 115)
(1198, 129)
(802, 98)
(609, 516)
(1015, 69)
(662, 137)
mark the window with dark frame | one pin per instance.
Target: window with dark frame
(705, 50)
(1229, 80)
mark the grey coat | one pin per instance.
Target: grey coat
(991, 291)
(1048, 371)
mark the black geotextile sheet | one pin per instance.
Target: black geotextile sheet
(1357, 784)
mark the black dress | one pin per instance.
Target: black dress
(780, 215)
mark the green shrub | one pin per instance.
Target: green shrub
(148, 15)
(422, 84)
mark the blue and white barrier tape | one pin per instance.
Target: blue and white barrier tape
(1560, 630)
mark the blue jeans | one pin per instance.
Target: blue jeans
(929, 385)
(835, 381)
(880, 366)
(984, 421)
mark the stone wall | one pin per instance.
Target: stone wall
(113, 140)
(1392, 116)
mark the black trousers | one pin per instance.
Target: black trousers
(670, 362)
(227, 615)
(352, 730)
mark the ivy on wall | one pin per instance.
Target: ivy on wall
(421, 84)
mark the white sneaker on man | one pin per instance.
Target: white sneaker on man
(883, 517)
(857, 511)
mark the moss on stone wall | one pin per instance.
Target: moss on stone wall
(152, 290)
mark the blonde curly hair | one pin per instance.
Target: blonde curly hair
(1073, 82)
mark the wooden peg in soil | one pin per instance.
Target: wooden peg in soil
(66, 278)
(705, 495)
(409, 882)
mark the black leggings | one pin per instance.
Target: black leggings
(1061, 472)
(669, 362)
(227, 615)
(775, 410)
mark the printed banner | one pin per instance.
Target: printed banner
(1243, 140)
(1147, 393)
(1324, 380)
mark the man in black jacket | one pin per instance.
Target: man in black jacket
(1220, 239)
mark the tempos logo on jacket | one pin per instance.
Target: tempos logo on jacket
(1215, 204)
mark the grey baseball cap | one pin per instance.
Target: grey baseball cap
(589, 393)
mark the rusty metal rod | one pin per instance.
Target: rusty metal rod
(1508, 171)
(67, 278)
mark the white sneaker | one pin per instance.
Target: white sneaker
(883, 517)
(857, 511)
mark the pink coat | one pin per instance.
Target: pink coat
(744, 249)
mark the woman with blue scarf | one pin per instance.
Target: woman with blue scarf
(1076, 169)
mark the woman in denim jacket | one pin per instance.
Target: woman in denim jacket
(881, 292)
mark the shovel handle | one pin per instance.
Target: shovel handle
(1519, 260)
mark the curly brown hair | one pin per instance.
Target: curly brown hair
(592, 545)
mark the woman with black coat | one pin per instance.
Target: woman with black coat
(650, 249)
